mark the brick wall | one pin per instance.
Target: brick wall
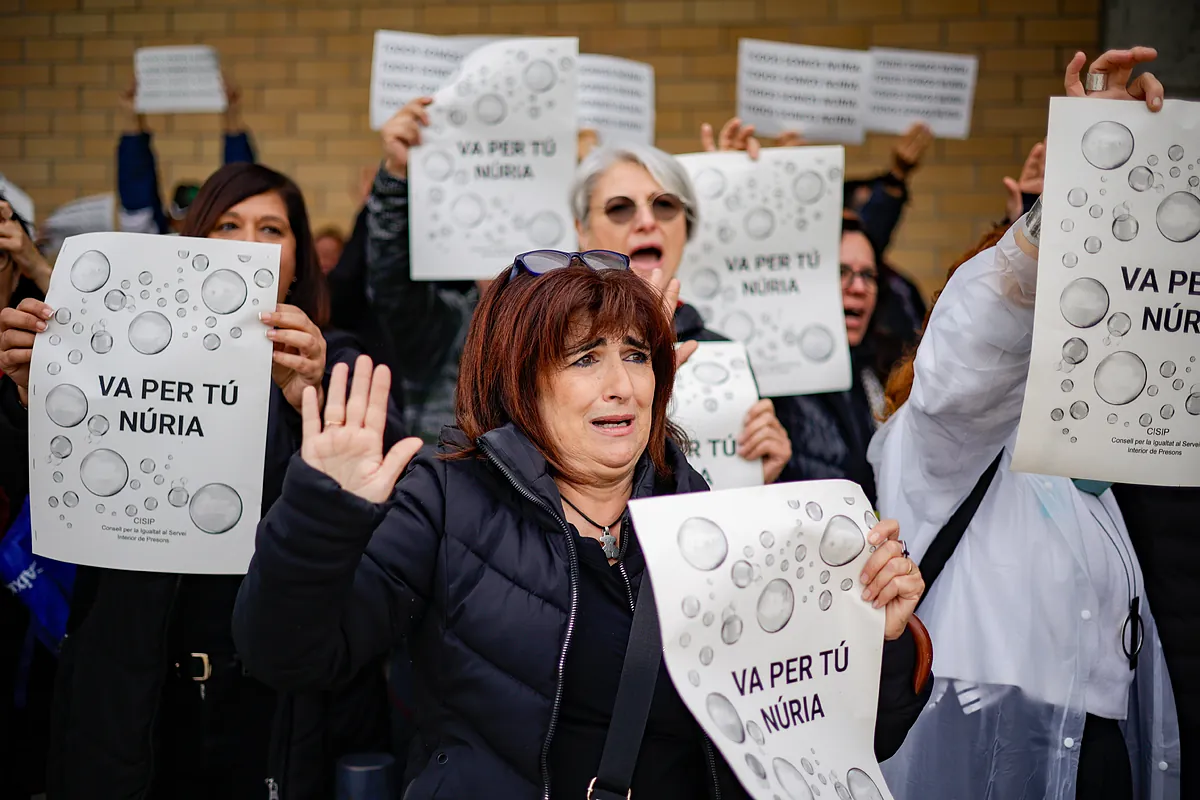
(305, 67)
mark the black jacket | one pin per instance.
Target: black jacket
(474, 563)
(116, 680)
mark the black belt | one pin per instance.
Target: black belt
(202, 667)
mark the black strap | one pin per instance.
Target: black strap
(639, 674)
(947, 539)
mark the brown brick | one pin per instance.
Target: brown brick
(1060, 31)
(1011, 8)
(281, 99)
(616, 41)
(869, 10)
(682, 95)
(322, 73)
(1015, 119)
(1023, 60)
(925, 35)
(797, 10)
(233, 46)
(277, 46)
(977, 147)
(265, 73)
(585, 13)
(365, 147)
(667, 66)
(10, 148)
(56, 98)
(1036, 90)
(28, 25)
(81, 75)
(705, 11)
(140, 22)
(325, 20)
(108, 48)
(690, 38)
(992, 88)
(990, 32)
(945, 8)
(91, 122)
(27, 171)
(940, 176)
(350, 44)
(452, 17)
(1084, 7)
(80, 24)
(856, 37)
(265, 21)
(199, 21)
(517, 16)
(25, 122)
(288, 147)
(654, 12)
(388, 19)
(65, 48)
(310, 123)
(104, 5)
(714, 66)
(53, 147)
(24, 75)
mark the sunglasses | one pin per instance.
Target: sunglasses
(621, 210)
(539, 262)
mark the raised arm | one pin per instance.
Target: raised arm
(137, 174)
(344, 559)
(238, 148)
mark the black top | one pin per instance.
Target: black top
(671, 763)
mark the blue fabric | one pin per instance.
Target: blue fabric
(42, 584)
(137, 178)
(1091, 487)
(238, 149)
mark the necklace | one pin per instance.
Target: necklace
(607, 540)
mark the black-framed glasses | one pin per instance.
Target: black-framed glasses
(1133, 633)
(870, 277)
(539, 262)
(621, 210)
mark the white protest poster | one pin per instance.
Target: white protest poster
(908, 86)
(819, 92)
(765, 633)
(762, 267)
(1114, 384)
(714, 390)
(148, 399)
(616, 98)
(18, 199)
(491, 177)
(86, 215)
(174, 80)
(410, 65)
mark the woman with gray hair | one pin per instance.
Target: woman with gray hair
(637, 200)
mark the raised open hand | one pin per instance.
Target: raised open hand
(349, 446)
(1031, 180)
(734, 136)
(1118, 65)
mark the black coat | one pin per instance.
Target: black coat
(473, 561)
(125, 726)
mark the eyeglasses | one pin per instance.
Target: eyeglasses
(870, 278)
(621, 210)
(539, 262)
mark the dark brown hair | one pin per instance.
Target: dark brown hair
(522, 332)
(330, 232)
(232, 184)
(900, 381)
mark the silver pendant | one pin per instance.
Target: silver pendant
(609, 543)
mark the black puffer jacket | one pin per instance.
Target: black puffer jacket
(474, 563)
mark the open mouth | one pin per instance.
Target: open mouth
(648, 257)
(853, 313)
(613, 423)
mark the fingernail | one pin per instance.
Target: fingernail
(41, 326)
(866, 595)
(47, 312)
(862, 578)
(270, 333)
(876, 604)
(1156, 102)
(875, 538)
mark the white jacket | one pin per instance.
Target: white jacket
(1026, 616)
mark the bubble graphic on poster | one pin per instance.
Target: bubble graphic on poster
(89, 273)
(66, 405)
(731, 629)
(468, 210)
(1125, 228)
(808, 187)
(725, 716)
(702, 543)
(540, 76)
(861, 786)
(705, 284)
(60, 447)
(1107, 145)
(223, 292)
(1075, 351)
(149, 333)
(760, 223)
(775, 605)
(1178, 216)
(709, 183)
(1084, 302)
(841, 542)
(545, 228)
(1120, 378)
(1077, 197)
(98, 425)
(816, 342)
(490, 109)
(791, 781)
(102, 342)
(1141, 179)
(103, 472)
(215, 508)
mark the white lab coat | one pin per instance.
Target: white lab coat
(1025, 618)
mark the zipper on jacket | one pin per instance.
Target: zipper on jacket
(272, 789)
(712, 764)
(166, 650)
(574, 583)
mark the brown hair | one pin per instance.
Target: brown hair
(521, 334)
(330, 232)
(232, 184)
(900, 381)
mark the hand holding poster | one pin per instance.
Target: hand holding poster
(908, 86)
(616, 98)
(178, 80)
(765, 634)
(714, 390)
(1114, 384)
(491, 177)
(818, 92)
(762, 267)
(152, 368)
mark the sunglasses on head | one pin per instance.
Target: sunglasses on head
(621, 210)
(539, 262)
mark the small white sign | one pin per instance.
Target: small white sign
(1114, 380)
(908, 86)
(154, 363)
(86, 215)
(178, 80)
(765, 633)
(762, 267)
(491, 177)
(406, 66)
(818, 92)
(714, 391)
(616, 99)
